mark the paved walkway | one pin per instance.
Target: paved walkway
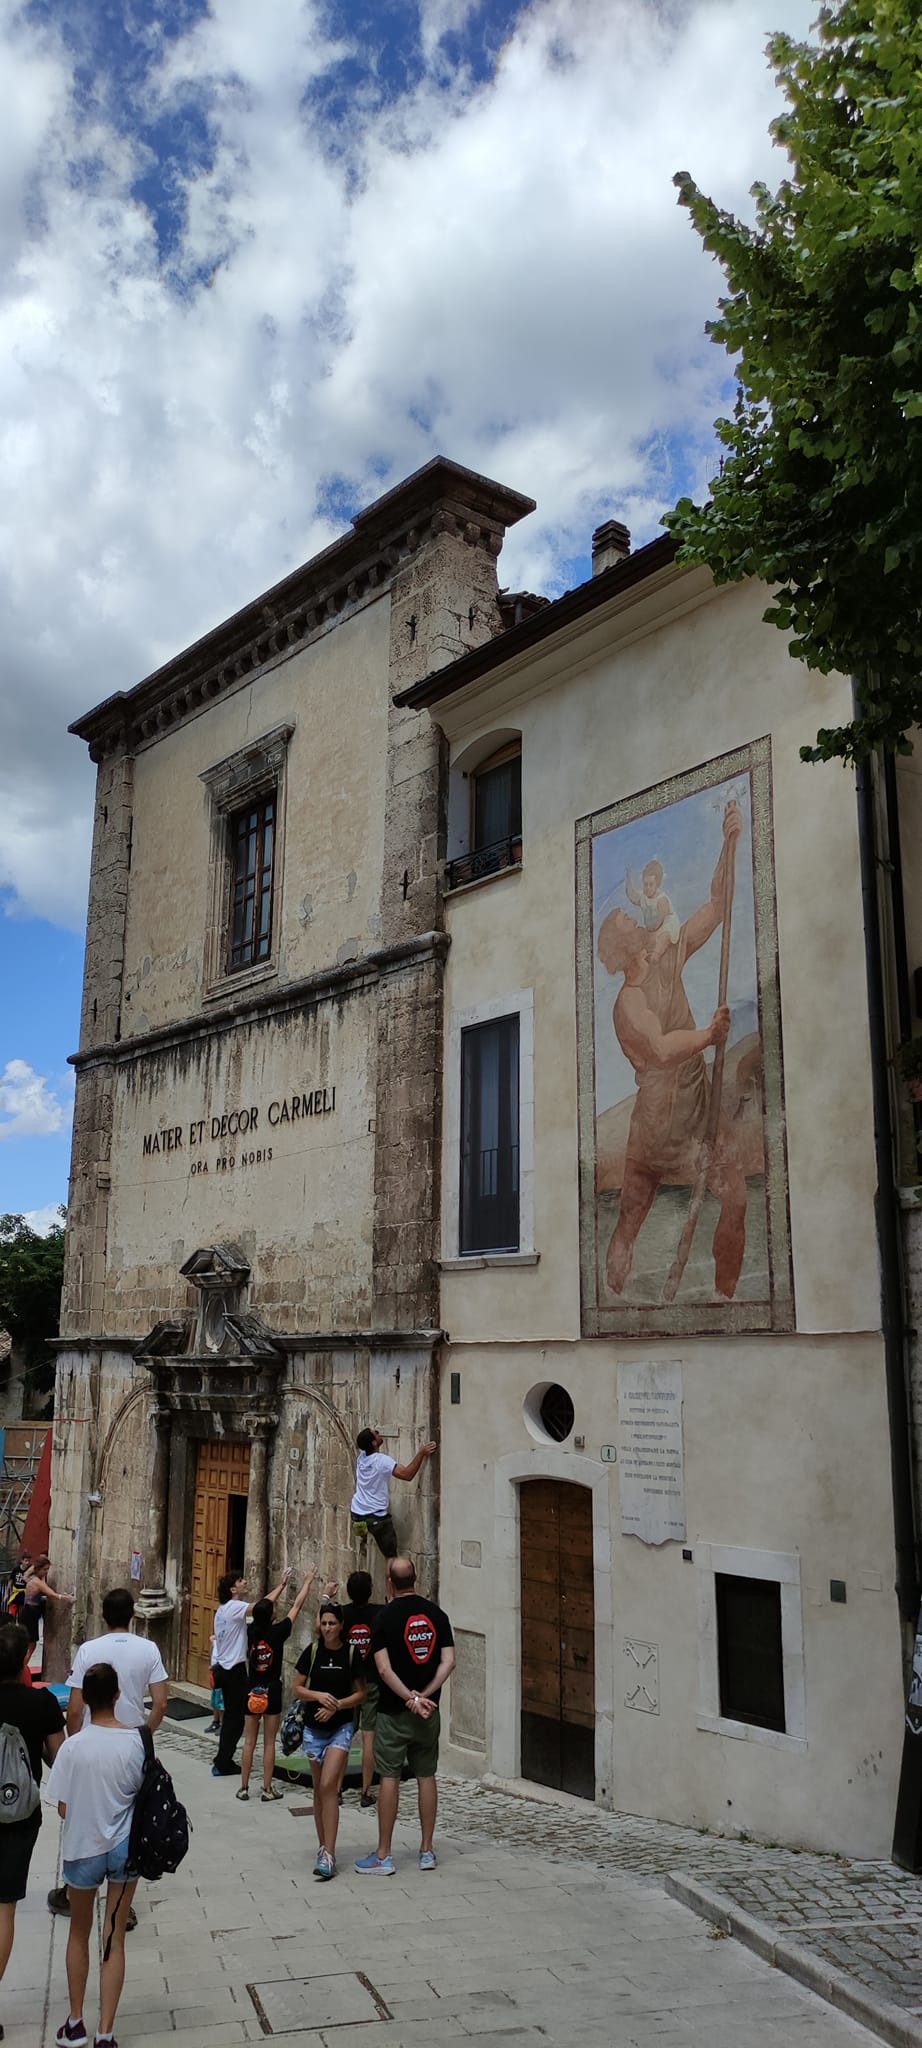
(542, 1926)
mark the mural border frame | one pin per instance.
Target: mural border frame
(646, 1320)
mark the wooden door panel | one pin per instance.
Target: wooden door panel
(543, 1643)
(557, 1635)
(577, 1610)
(541, 1691)
(541, 1567)
(222, 1470)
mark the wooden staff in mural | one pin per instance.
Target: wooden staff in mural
(709, 1139)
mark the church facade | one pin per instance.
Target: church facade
(251, 1270)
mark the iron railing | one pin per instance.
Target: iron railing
(484, 861)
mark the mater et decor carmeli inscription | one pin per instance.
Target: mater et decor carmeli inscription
(249, 1123)
(650, 1455)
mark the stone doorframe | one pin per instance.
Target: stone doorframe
(209, 1407)
(548, 1462)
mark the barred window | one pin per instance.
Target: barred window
(252, 860)
(490, 1137)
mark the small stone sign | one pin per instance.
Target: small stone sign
(651, 1460)
(641, 1677)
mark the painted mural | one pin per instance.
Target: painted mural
(683, 1207)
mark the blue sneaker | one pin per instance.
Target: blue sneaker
(376, 1866)
(428, 1859)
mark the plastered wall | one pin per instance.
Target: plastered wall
(786, 1447)
(332, 693)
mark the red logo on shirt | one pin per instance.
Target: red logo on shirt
(360, 1637)
(419, 1636)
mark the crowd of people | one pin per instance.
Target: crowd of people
(373, 1666)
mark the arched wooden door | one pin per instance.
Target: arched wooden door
(557, 1635)
(222, 1476)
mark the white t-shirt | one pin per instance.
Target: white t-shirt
(372, 1483)
(230, 1634)
(96, 1773)
(137, 1663)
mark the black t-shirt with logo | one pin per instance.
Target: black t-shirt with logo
(35, 1713)
(265, 1655)
(336, 1671)
(414, 1632)
(358, 1621)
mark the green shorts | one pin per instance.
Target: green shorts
(404, 1739)
(368, 1716)
(381, 1528)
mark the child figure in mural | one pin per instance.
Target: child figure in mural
(654, 905)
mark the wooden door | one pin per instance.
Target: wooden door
(222, 1477)
(557, 1636)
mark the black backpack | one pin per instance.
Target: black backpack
(159, 1837)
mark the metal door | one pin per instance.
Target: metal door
(557, 1636)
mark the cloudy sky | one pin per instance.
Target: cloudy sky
(258, 262)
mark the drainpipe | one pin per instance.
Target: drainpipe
(893, 1320)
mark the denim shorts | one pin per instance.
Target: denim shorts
(316, 1741)
(86, 1872)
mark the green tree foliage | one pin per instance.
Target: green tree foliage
(820, 490)
(31, 1269)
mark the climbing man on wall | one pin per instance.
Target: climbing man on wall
(371, 1503)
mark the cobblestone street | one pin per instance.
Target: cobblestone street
(544, 1924)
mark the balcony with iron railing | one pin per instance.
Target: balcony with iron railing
(483, 862)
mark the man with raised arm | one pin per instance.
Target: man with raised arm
(371, 1501)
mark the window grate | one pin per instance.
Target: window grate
(252, 846)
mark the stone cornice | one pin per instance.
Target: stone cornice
(288, 1341)
(442, 497)
(293, 995)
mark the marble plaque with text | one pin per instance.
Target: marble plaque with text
(651, 1461)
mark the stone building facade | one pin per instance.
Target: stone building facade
(671, 1563)
(252, 1248)
(539, 1117)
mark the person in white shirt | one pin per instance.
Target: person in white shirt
(140, 1669)
(137, 1661)
(229, 1664)
(93, 1781)
(371, 1501)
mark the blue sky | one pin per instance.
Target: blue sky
(258, 264)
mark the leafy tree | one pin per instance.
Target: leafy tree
(820, 489)
(31, 1271)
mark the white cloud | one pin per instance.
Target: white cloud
(28, 1107)
(499, 273)
(44, 1220)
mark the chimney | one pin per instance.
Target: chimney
(611, 544)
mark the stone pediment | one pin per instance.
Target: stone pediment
(168, 1339)
(217, 1265)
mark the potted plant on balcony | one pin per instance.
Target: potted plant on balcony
(908, 1063)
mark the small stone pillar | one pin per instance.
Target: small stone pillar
(153, 1612)
(155, 1549)
(257, 1539)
